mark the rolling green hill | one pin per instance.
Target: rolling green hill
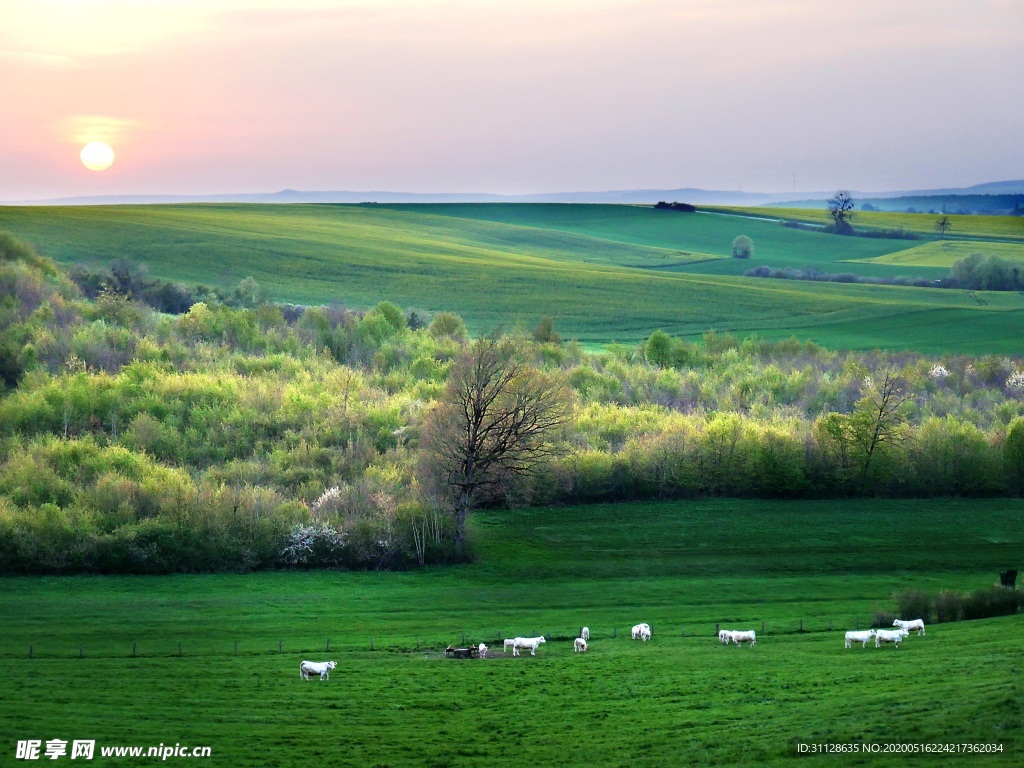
(604, 273)
(111, 669)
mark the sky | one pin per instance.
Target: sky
(509, 97)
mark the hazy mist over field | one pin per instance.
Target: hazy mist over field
(507, 98)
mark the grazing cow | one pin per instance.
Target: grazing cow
(527, 642)
(509, 643)
(890, 636)
(579, 645)
(642, 632)
(322, 668)
(859, 637)
(748, 636)
(483, 650)
(725, 636)
(917, 624)
(585, 633)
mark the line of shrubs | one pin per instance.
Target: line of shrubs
(950, 605)
(977, 272)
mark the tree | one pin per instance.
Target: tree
(658, 349)
(742, 247)
(493, 423)
(840, 210)
(545, 332)
(943, 225)
(1013, 455)
(857, 440)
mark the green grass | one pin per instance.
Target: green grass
(604, 273)
(999, 227)
(681, 699)
(944, 253)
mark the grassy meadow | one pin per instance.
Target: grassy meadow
(945, 252)
(604, 273)
(681, 699)
(1008, 228)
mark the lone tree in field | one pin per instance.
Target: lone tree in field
(742, 247)
(943, 225)
(840, 209)
(494, 422)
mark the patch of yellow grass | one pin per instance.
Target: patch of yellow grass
(944, 253)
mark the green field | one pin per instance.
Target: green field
(983, 227)
(680, 699)
(604, 273)
(944, 253)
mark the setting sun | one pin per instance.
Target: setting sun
(97, 156)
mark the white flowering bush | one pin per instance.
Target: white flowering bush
(868, 383)
(329, 503)
(1015, 383)
(314, 546)
(938, 372)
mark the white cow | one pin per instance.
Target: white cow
(725, 636)
(527, 642)
(585, 633)
(482, 650)
(579, 645)
(322, 668)
(859, 637)
(744, 636)
(908, 625)
(642, 632)
(509, 643)
(890, 636)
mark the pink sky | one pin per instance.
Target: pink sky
(207, 96)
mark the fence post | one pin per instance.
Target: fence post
(417, 642)
(858, 622)
(133, 649)
(762, 627)
(81, 652)
(801, 625)
(371, 643)
(279, 644)
(179, 649)
(718, 628)
(830, 625)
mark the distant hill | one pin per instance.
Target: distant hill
(622, 196)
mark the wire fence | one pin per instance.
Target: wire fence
(150, 647)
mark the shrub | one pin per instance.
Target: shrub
(883, 619)
(742, 247)
(913, 604)
(319, 545)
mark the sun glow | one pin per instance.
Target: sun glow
(97, 156)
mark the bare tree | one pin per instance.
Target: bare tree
(943, 225)
(840, 209)
(877, 421)
(494, 422)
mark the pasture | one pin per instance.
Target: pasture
(682, 698)
(945, 252)
(1010, 228)
(603, 273)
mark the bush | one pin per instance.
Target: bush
(742, 247)
(883, 620)
(913, 604)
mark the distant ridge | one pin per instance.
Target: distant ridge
(630, 196)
